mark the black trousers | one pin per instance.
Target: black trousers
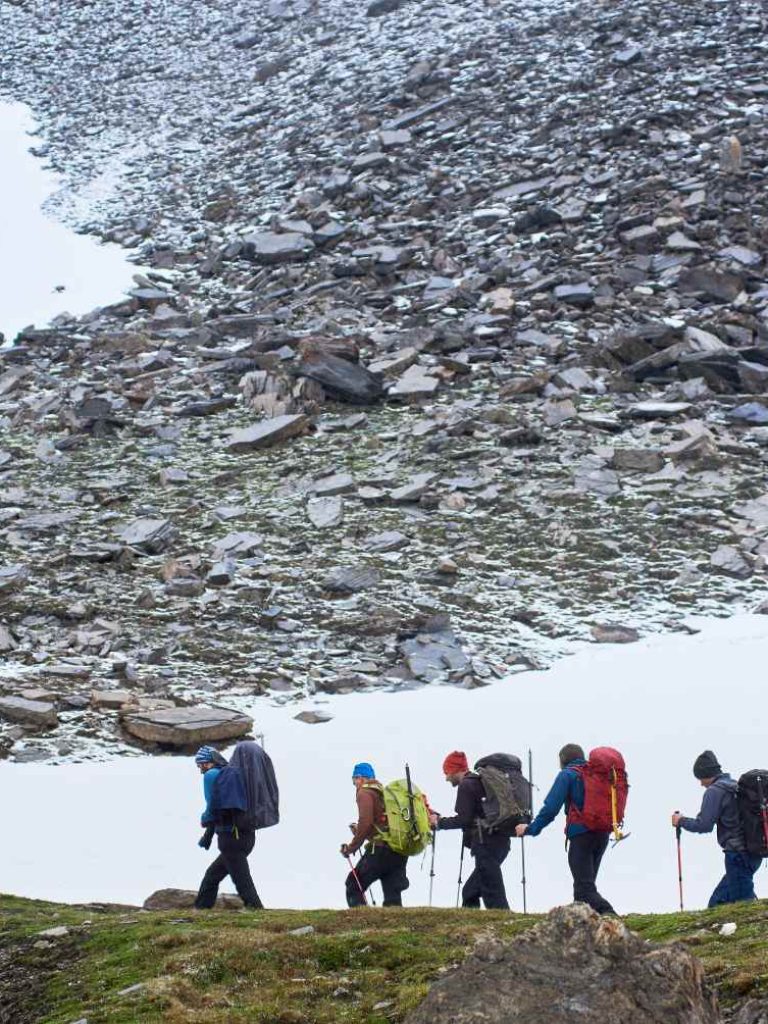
(486, 882)
(585, 851)
(232, 861)
(379, 864)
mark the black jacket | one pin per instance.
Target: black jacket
(469, 807)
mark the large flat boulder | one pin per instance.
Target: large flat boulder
(37, 713)
(186, 727)
(267, 433)
(574, 966)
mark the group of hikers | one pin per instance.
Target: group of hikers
(494, 804)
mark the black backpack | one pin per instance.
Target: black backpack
(507, 800)
(258, 774)
(752, 801)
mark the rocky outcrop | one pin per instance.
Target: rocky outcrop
(574, 966)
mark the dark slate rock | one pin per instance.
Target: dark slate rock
(270, 247)
(345, 381)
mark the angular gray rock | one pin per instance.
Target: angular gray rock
(267, 433)
(36, 713)
(573, 966)
(343, 380)
(149, 535)
(240, 544)
(731, 562)
(184, 727)
(269, 247)
(350, 579)
(592, 475)
(325, 512)
(613, 633)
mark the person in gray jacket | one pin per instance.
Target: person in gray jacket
(719, 808)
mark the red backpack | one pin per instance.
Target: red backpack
(605, 793)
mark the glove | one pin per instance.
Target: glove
(344, 850)
(206, 839)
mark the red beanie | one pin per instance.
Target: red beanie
(455, 762)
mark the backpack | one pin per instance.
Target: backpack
(752, 803)
(605, 793)
(507, 799)
(262, 803)
(407, 829)
(228, 798)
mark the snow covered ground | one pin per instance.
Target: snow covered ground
(39, 255)
(120, 829)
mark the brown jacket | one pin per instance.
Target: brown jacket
(370, 814)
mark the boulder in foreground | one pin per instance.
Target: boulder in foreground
(184, 899)
(184, 727)
(574, 966)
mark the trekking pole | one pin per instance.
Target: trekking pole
(522, 838)
(432, 865)
(461, 868)
(679, 833)
(357, 879)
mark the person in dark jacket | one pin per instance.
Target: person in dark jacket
(719, 808)
(234, 845)
(379, 863)
(486, 882)
(585, 848)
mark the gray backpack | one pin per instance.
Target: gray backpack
(507, 800)
(258, 775)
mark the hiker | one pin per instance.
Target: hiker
(379, 863)
(719, 807)
(585, 847)
(225, 816)
(489, 850)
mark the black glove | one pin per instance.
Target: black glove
(206, 838)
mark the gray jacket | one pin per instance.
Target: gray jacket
(719, 808)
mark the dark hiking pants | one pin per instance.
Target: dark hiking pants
(585, 851)
(486, 882)
(379, 864)
(738, 881)
(232, 861)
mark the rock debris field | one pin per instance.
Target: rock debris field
(453, 350)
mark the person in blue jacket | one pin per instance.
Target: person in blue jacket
(719, 808)
(585, 848)
(234, 844)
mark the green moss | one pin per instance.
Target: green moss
(368, 966)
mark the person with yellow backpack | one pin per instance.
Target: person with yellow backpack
(394, 822)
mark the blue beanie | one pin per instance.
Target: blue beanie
(364, 770)
(205, 755)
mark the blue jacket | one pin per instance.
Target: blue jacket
(567, 788)
(719, 807)
(209, 778)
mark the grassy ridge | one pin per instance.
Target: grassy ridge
(369, 966)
